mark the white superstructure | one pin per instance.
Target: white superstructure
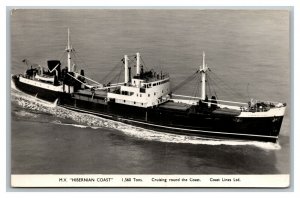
(141, 91)
(48, 86)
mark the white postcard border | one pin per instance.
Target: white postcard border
(100, 180)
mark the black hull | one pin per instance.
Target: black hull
(38, 92)
(260, 129)
(171, 121)
(185, 130)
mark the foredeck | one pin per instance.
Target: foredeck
(174, 106)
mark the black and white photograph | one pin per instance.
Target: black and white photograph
(150, 97)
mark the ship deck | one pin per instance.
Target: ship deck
(174, 106)
(88, 92)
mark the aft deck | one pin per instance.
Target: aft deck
(89, 92)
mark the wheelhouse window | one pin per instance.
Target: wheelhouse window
(142, 90)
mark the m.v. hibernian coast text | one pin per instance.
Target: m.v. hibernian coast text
(145, 99)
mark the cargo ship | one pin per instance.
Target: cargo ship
(145, 99)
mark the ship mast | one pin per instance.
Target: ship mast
(126, 69)
(69, 50)
(138, 64)
(203, 70)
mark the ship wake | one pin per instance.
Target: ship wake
(83, 120)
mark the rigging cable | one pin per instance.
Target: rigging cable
(226, 85)
(78, 58)
(195, 90)
(226, 91)
(111, 71)
(118, 81)
(144, 65)
(208, 85)
(211, 86)
(184, 82)
(198, 87)
(62, 56)
(117, 76)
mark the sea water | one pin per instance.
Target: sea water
(247, 51)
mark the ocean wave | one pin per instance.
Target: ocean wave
(94, 122)
(186, 139)
(151, 135)
(28, 101)
(58, 122)
(25, 114)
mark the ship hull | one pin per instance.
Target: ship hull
(184, 130)
(228, 127)
(41, 93)
(171, 121)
